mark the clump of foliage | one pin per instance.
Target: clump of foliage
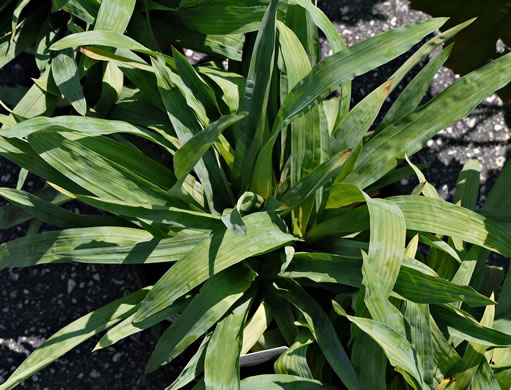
(477, 44)
(265, 199)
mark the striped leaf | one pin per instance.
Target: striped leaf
(46, 247)
(278, 381)
(213, 179)
(224, 373)
(335, 70)
(217, 295)
(462, 325)
(193, 368)
(125, 328)
(410, 134)
(256, 326)
(85, 125)
(397, 348)
(440, 217)
(88, 167)
(65, 72)
(467, 185)
(294, 360)
(50, 213)
(221, 250)
(175, 217)
(255, 99)
(412, 283)
(114, 15)
(323, 332)
(192, 151)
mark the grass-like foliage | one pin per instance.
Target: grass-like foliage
(263, 195)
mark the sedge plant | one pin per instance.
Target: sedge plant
(264, 195)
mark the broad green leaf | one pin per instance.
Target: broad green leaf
(192, 151)
(221, 18)
(357, 122)
(343, 194)
(11, 215)
(344, 221)
(46, 247)
(85, 125)
(462, 325)
(97, 53)
(87, 167)
(417, 315)
(397, 348)
(387, 242)
(409, 134)
(217, 295)
(313, 181)
(20, 153)
(467, 185)
(376, 299)
(48, 35)
(65, 72)
(86, 10)
(230, 45)
(294, 360)
(421, 288)
(50, 213)
(473, 357)
(114, 15)
(445, 356)
(125, 328)
(323, 332)
(336, 43)
(280, 381)
(24, 38)
(74, 334)
(20, 5)
(233, 221)
(231, 84)
(101, 38)
(335, 70)
(301, 23)
(173, 216)
(163, 250)
(412, 283)
(192, 79)
(440, 217)
(216, 188)
(193, 368)
(124, 155)
(485, 378)
(437, 243)
(256, 326)
(309, 141)
(414, 92)
(371, 372)
(112, 83)
(255, 99)
(284, 315)
(36, 102)
(221, 250)
(224, 373)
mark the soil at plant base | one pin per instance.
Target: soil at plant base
(36, 302)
